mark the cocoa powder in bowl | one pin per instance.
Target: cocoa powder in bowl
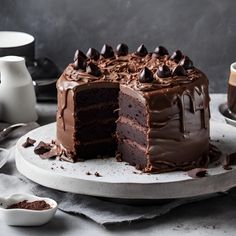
(35, 205)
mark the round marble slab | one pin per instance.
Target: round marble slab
(119, 180)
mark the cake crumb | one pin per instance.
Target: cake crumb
(88, 173)
(197, 173)
(118, 157)
(97, 174)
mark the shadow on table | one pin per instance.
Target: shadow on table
(211, 214)
(56, 225)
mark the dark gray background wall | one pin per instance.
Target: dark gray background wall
(204, 29)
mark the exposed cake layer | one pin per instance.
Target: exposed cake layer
(86, 126)
(133, 153)
(128, 128)
(95, 149)
(131, 107)
(96, 130)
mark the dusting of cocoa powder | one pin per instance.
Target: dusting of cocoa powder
(35, 205)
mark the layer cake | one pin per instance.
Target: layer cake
(149, 109)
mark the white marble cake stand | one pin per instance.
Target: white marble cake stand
(118, 179)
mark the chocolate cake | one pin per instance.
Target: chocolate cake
(149, 109)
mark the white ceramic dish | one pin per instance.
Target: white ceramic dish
(4, 155)
(118, 179)
(23, 217)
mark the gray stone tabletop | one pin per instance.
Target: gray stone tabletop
(216, 216)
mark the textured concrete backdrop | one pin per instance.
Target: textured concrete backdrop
(205, 30)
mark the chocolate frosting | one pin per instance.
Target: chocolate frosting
(167, 100)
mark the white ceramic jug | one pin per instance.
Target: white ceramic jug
(17, 95)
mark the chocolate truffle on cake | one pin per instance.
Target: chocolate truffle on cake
(150, 109)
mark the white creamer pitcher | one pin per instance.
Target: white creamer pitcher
(17, 95)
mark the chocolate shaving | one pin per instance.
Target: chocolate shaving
(197, 173)
(214, 153)
(229, 160)
(64, 157)
(28, 143)
(54, 151)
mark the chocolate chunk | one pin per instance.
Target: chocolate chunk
(79, 53)
(41, 148)
(160, 51)
(176, 56)
(88, 173)
(141, 51)
(93, 54)
(92, 69)
(80, 63)
(197, 173)
(28, 143)
(163, 71)
(107, 51)
(179, 71)
(122, 49)
(186, 63)
(145, 76)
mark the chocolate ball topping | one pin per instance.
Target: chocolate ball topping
(163, 71)
(186, 63)
(92, 53)
(160, 51)
(107, 51)
(122, 49)
(79, 53)
(176, 56)
(145, 76)
(141, 51)
(92, 69)
(80, 63)
(179, 71)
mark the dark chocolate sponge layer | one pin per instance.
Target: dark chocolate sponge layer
(161, 105)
